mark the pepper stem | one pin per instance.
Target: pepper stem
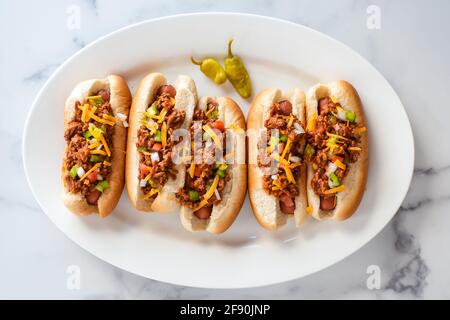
(195, 61)
(230, 54)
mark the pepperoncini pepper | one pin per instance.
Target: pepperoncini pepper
(237, 74)
(212, 69)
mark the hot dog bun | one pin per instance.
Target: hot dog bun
(224, 213)
(266, 208)
(120, 99)
(186, 99)
(355, 181)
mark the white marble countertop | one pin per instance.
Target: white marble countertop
(410, 49)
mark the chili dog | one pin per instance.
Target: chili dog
(158, 109)
(215, 180)
(337, 150)
(276, 142)
(95, 121)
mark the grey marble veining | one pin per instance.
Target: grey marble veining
(410, 49)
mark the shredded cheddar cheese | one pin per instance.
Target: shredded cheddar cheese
(164, 134)
(152, 126)
(152, 192)
(213, 135)
(294, 165)
(360, 130)
(335, 190)
(94, 117)
(309, 209)
(334, 99)
(354, 148)
(289, 174)
(84, 115)
(162, 115)
(106, 163)
(291, 121)
(312, 122)
(339, 164)
(200, 205)
(192, 169)
(210, 111)
(95, 167)
(109, 118)
(101, 152)
(152, 116)
(103, 140)
(94, 145)
(279, 159)
(147, 177)
(337, 136)
(287, 147)
(211, 190)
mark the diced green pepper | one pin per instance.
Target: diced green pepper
(73, 171)
(96, 132)
(221, 173)
(283, 138)
(153, 109)
(334, 179)
(214, 115)
(96, 101)
(273, 142)
(309, 150)
(193, 195)
(346, 160)
(87, 134)
(102, 185)
(221, 166)
(350, 116)
(142, 149)
(95, 158)
(158, 136)
(206, 136)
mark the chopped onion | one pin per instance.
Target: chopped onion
(274, 177)
(80, 172)
(217, 194)
(298, 128)
(121, 116)
(295, 159)
(99, 177)
(330, 183)
(331, 168)
(142, 183)
(341, 115)
(99, 147)
(154, 156)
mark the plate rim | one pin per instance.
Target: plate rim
(189, 283)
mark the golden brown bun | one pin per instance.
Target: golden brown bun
(120, 99)
(266, 208)
(186, 99)
(224, 214)
(355, 181)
